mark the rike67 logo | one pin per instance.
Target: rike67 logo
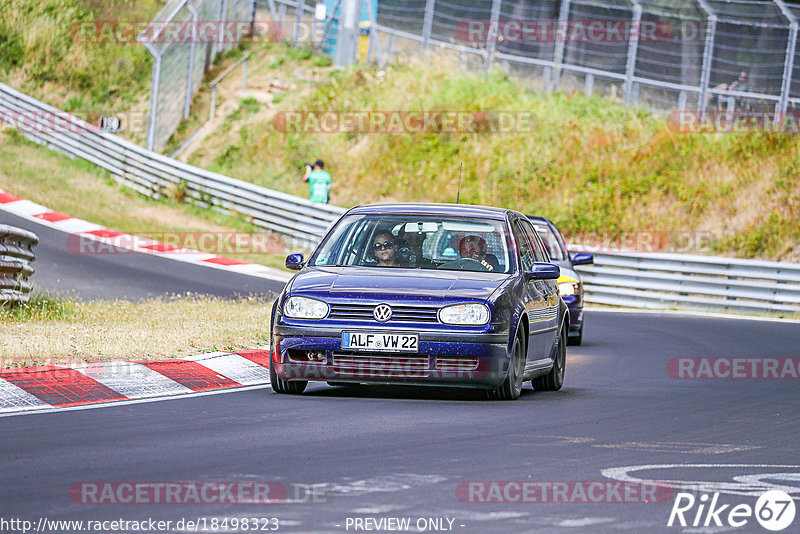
(774, 510)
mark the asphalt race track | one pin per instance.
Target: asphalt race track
(378, 453)
(125, 275)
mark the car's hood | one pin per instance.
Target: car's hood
(412, 284)
(568, 271)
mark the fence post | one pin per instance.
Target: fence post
(491, 36)
(347, 36)
(154, 88)
(187, 102)
(633, 48)
(298, 19)
(561, 38)
(788, 63)
(223, 18)
(708, 55)
(252, 15)
(427, 23)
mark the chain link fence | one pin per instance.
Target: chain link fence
(184, 39)
(705, 55)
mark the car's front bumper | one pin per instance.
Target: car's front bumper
(575, 305)
(444, 358)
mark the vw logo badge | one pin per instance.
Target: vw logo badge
(382, 313)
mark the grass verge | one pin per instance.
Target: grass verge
(51, 330)
(83, 190)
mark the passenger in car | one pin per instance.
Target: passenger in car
(410, 246)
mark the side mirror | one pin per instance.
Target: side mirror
(543, 271)
(294, 262)
(582, 259)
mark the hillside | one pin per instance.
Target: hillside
(44, 54)
(590, 164)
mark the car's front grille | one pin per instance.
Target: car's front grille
(456, 363)
(400, 314)
(388, 365)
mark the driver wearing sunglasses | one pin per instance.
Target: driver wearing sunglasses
(384, 248)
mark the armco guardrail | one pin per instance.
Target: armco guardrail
(659, 281)
(622, 279)
(16, 256)
(155, 175)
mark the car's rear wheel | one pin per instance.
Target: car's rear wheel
(553, 380)
(511, 388)
(285, 386)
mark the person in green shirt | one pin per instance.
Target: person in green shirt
(319, 182)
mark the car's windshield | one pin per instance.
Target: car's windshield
(417, 242)
(550, 241)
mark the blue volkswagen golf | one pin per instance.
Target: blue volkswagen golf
(422, 294)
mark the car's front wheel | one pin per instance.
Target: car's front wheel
(279, 385)
(511, 388)
(553, 380)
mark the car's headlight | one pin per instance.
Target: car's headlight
(304, 308)
(465, 314)
(569, 288)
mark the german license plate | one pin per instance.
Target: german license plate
(380, 341)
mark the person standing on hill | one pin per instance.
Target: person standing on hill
(319, 182)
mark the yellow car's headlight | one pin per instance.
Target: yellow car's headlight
(569, 288)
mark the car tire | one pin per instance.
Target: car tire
(292, 387)
(553, 380)
(511, 388)
(576, 339)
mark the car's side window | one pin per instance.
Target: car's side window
(539, 251)
(525, 250)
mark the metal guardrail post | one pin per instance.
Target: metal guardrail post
(788, 64)
(561, 41)
(427, 22)
(708, 54)
(491, 43)
(633, 47)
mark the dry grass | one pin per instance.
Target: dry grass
(52, 331)
(590, 164)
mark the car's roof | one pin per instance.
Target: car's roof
(408, 208)
(539, 218)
